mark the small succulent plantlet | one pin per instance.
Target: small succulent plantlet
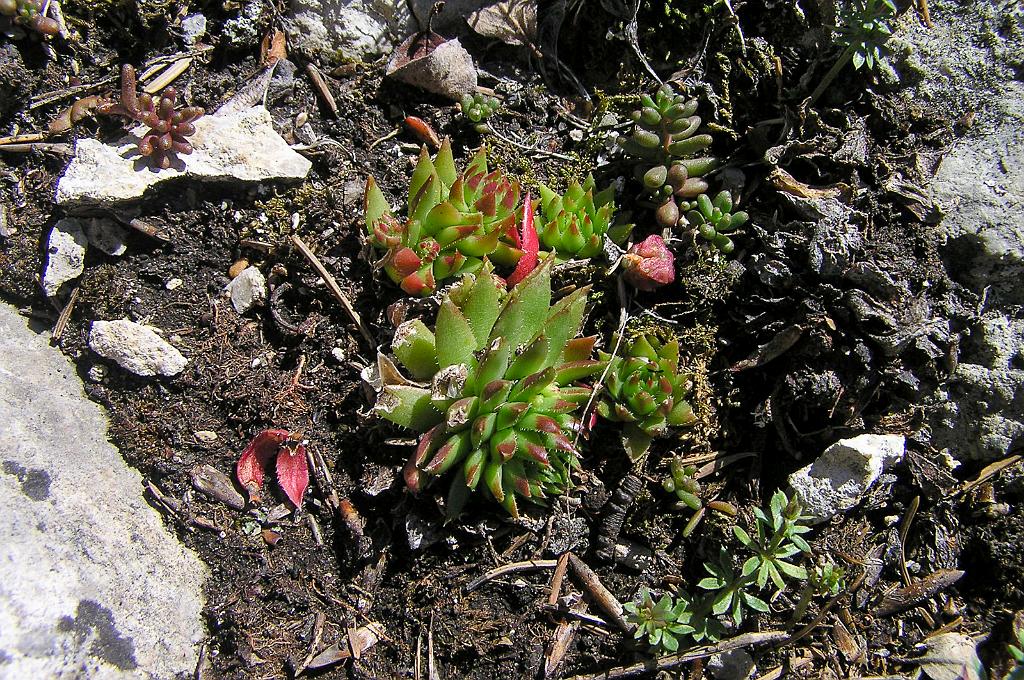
(478, 107)
(645, 390)
(169, 127)
(683, 483)
(289, 452)
(663, 622)
(666, 142)
(714, 220)
(574, 224)
(28, 13)
(453, 223)
(649, 264)
(777, 537)
(500, 405)
(823, 580)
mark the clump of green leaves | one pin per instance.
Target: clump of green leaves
(823, 580)
(501, 404)
(864, 30)
(478, 107)
(453, 222)
(573, 225)
(714, 220)
(731, 592)
(646, 390)
(666, 142)
(663, 622)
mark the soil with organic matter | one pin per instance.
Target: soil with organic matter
(834, 316)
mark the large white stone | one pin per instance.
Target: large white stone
(840, 477)
(135, 348)
(93, 584)
(247, 289)
(65, 255)
(239, 146)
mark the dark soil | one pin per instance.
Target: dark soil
(846, 372)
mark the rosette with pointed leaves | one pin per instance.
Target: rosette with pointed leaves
(662, 622)
(500, 403)
(645, 390)
(574, 224)
(714, 220)
(453, 222)
(777, 538)
(666, 142)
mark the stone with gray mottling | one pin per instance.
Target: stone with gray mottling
(135, 348)
(840, 477)
(93, 584)
(235, 145)
(247, 290)
(65, 255)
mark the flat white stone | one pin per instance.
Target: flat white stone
(93, 586)
(840, 477)
(247, 290)
(235, 145)
(65, 255)
(135, 348)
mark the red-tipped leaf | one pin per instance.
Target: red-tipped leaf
(528, 242)
(249, 469)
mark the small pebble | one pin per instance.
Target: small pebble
(338, 354)
(172, 284)
(238, 267)
(205, 436)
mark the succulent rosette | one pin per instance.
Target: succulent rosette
(574, 224)
(496, 399)
(714, 220)
(454, 222)
(645, 390)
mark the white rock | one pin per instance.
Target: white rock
(234, 145)
(94, 584)
(247, 289)
(357, 29)
(106, 234)
(840, 477)
(135, 348)
(193, 27)
(338, 354)
(65, 255)
(173, 284)
(736, 664)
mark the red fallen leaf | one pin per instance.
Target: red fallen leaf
(649, 264)
(528, 242)
(249, 469)
(293, 471)
(423, 131)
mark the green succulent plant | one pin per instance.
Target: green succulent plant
(662, 622)
(29, 13)
(453, 223)
(682, 481)
(714, 220)
(645, 390)
(574, 224)
(497, 397)
(864, 30)
(478, 107)
(665, 140)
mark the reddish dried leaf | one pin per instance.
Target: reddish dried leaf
(254, 458)
(423, 131)
(529, 243)
(293, 472)
(649, 264)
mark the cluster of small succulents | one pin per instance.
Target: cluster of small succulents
(646, 391)
(478, 107)
(169, 127)
(28, 13)
(665, 140)
(682, 481)
(453, 222)
(574, 224)
(501, 403)
(714, 220)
